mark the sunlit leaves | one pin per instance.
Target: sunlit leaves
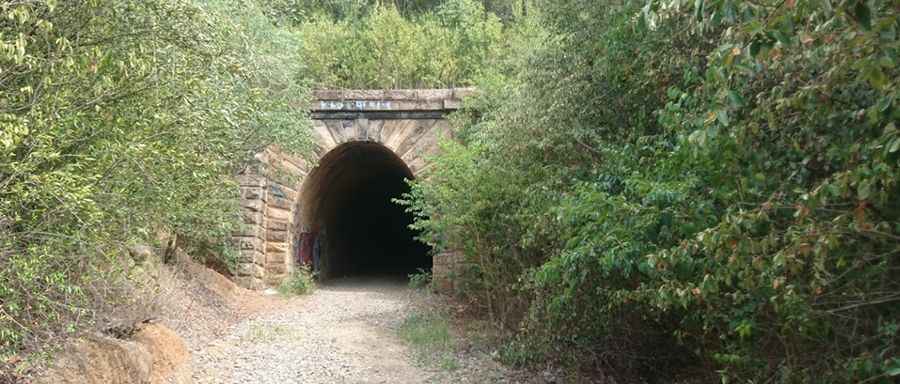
(384, 48)
(121, 120)
(726, 171)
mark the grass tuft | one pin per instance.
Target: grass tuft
(431, 340)
(300, 282)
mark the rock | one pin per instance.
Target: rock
(155, 355)
(170, 355)
(99, 359)
(142, 253)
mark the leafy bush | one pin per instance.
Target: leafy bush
(299, 11)
(680, 185)
(300, 282)
(420, 279)
(385, 49)
(121, 120)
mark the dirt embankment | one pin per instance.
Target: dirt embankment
(152, 355)
(193, 305)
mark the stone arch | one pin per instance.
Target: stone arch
(366, 140)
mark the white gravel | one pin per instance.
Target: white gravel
(342, 333)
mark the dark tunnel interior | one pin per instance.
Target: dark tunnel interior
(349, 201)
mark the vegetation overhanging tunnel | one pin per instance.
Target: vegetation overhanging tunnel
(348, 201)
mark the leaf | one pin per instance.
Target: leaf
(876, 77)
(863, 14)
(890, 128)
(736, 100)
(894, 146)
(864, 189)
(892, 369)
(722, 116)
(754, 48)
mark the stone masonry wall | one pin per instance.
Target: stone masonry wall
(251, 240)
(408, 122)
(268, 196)
(445, 271)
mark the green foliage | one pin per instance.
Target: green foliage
(300, 282)
(672, 185)
(385, 49)
(121, 120)
(299, 11)
(420, 279)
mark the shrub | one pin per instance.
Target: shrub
(420, 279)
(710, 185)
(120, 120)
(385, 49)
(300, 282)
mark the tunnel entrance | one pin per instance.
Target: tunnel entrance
(346, 206)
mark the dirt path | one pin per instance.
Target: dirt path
(345, 332)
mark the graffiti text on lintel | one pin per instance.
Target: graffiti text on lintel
(354, 105)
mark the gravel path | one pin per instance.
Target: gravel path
(342, 333)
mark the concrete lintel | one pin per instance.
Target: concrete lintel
(379, 115)
(391, 94)
(389, 100)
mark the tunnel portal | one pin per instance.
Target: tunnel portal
(347, 203)
(337, 198)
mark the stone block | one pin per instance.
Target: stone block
(448, 258)
(259, 271)
(249, 230)
(251, 257)
(274, 280)
(259, 258)
(418, 105)
(245, 257)
(252, 205)
(251, 180)
(274, 213)
(275, 269)
(277, 225)
(276, 236)
(251, 193)
(275, 258)
(452, 104)
(399, 94)
(252, 217)
(302, 165)
(276, 248)
(362, 94)
(250, 269)
(437, 263)
(434, 94)
(281, 203)
(246, 269)
(291, 194)
(442, 284)
(251, 243)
